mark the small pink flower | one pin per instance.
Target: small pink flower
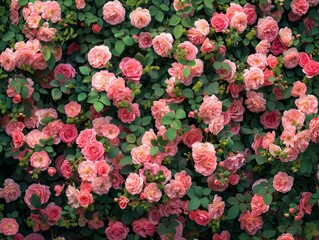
(72, 109)
(134, 184)
(99, 56)
(219, 22)
(162, 44)
(216, 208)
(253, 78)
(131, 68)
(116, 231)
(113, 12)
(255, 102)
(9, 226)
(250, 222)
(267, 29)
(282, 182)
(140, 17)
(40, 160)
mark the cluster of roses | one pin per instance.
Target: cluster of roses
(26, 54)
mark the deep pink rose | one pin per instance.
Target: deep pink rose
(68, 133)
(270, 120)
(42, 191)
(131, 68)
(116, 231)
(219, 22)
(267, 29)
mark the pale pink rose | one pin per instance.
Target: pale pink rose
(7, 60)
(258, 60)
(282, 182)
(72, 109)
(255, 102)
(101, 185)
(195, 36)
(85, 198)
(250, 222)
(293, 117)
(140, 17)
(236, 110)
(313, 3)
(11, 191)
(87, 135)
(190, 50)
(134, 184)
(291, 58)
(314, 129)
(72, 194)
(131, 68)
(308, 104)
(267, 29)
(274, 150)
(286, 236)
(267, 75)
(304, 207)
(18, 139)
(207, 46)
(204, 157)
(87, 171)
(46, 33)
(9, 226)
(219, 22)
(93, 151)
(198, 68)
(45, 113)
(116, 231)
(311, 69)
(239, 22)
(234, 162)
(285, 35)
(152, 193)
(42, 191)
(183, 178)
(175, 189)
(210, 108)
(258, 206)
(102, 168)
(33, 137)
(270, 120)
(52, 129)
(99, 56)
(68, 133)
(288, 136)
(192, 136)
(177, 71)
(250, 11)
(40, 160)
(233, 9)
(80, 4)
(145, 40)
(144, 227)
(253, 78)
(234, 89)
(52, 11)
(304, 58)
(217, 124)
(127, 116)
(33, 20)
(202, 25)
(302, 140)
(268, 139)
(263, 47)
(299, 7)
(201, 217)
(225, 74)
(110, 131)
(102, 80)
(298, 89)
(216, 208)
(272, 61)
(115, 87)
(113, 12)
(162, 44)
(141, 154)
(52, 213)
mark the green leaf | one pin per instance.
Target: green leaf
(188, 93)
(131, 138)
(180, 114)
(24, 92)
(267, 198)
(208, 4)
(194, 204)
(186, 72)
(174, 20)
(51, 62)
(82, 96)
(22, 2)
(170, 134)
(309, 48)
(162, 229)
(126, 160)
(177, 124)
(113, 152)
(85, 70)
(166, 120)
(159, 16)
(233, 212)
(56, 94)
(46, 54)
(128, 41)
(119, 46)
(146, 120)
(268, 233)
(8, 36)
(233, 201)
(35, 201)
(178, 31)
(98, 106)
(154, 151)
(103, 99)
(2, 10)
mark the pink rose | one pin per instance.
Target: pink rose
(272, 61)
(9, 226)
(253, 78)
(145, 40)
(134, 184)
(162, 44)
(314, 129)
(250, 11)
(190, 50)
(131, 68)
(257, 205)
(68, 133)
(34, 236)
(267, 29)
(219, 22)
(308, 104)
(85, 198)
(239, 22)
(7, 60)
(216, 208)
(129, 116)
(52, 213)
(80, 4)
(192, 136)
(140, 17)
(282, 182)
(311, 69)
(42, 191)
(207, 46)
(258, 60)
(304, 206)
(286, 236)
(210, 108)
(40, 160)
(99, 56)
(46, 33)
(203, 26)
(195, 36)
(250, 222)
(175, 189)
(113, 12)
(87, 135)
(87, 171)
(93, 151)
(291, 58)
(204, 158)
(144, 227)
(225, 74)
(225, 235)
(11, 191)
(299, 7)
(304, 58)
(201, 217)
(102, 80)
(101, 185)
(18, 139)
(233, 9)
(298, 89)
(293, 117)
(66, 70)
(277, 47)
(116, 231)
(152, 193)
(255, 102)
(236, 110)
(263, 47)
(270, 120)
(72, 109)
(285, 35)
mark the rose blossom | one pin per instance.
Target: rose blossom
(219, 22)
(175, 189)
(87, 171)
(207, 46)
(72, 109)
(11, 190)
(201, 217)
(250, 222)
(298, 89)
(236, 110)
(210, 108)
(239, 22)
(99, 56)
(140, 17)
(66, 70)
(195, 36)
(152, 193)
(308, 104)
(225, 74)
(93, 151)
(190, 50)
(162, 44)
(202, 25)
(293, 117)
(204, 158)
(291, 58)
(250, 11)
(68, 133)
(40, 160)
(314, 129)
(7, 60)
(143, 227)
(116, 231)
(134, 184)
(9, 226)
(285, 35)
(131, 68)
(145, 40)
(192, 136)
(253, 78)
(267, 29)
(258, 206)
(102, 80)
(101, 185)
(224, 235)
(85, 136)
(299, 7)
(263, 47)
(286, 236)
(52, 213)
(113, 12)
(282, 182)
(304, 207)
(85, 198)
(42, 191)
(311, 69)
(255, 102)
(216, 208)
(270, 120)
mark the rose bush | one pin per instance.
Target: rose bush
(184, 119)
